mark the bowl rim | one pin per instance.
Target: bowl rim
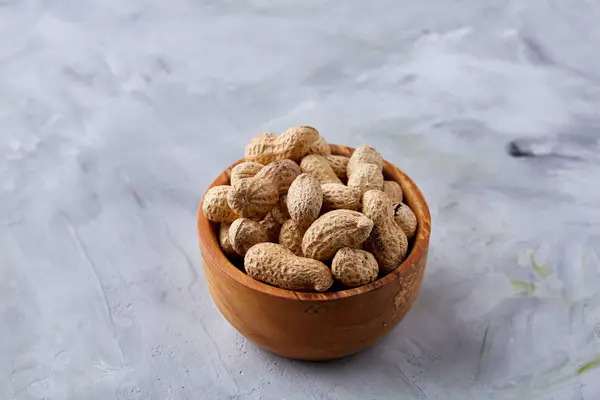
(209, 246)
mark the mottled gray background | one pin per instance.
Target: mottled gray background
(115, 115)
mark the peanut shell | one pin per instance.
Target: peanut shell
(354, 267)
(366, 177)
(304, 200)
(274, 264)
(253, 197)
(245, 233)
(339, 164)
(215, 205)
(271, 226)
(406, 219)
(282, 173)
(319, 167)
(337, 196)
(245, 170)
(393, 190)
(294, 144)
(290, 236)
(334, 230)
(320, 146)
(364, 155)
(387, 242)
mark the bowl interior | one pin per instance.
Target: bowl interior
(207, 231)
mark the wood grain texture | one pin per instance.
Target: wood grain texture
(317, 326)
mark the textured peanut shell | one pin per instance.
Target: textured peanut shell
(290, 236)
(393, 190)
(282, 173)
(320, 146)
(337, 196)
(216, 207)
(294, 144)
(271, 226)
(334, 230)
(224, 242)
(364, 155)
(366, 177)
(339, 164)
(304, 200)
(245, 233)
(253, 197)
(354, 267)
(244, 170)
(274, 264)
(319, 167)
(280, 211)
(387, 242)
(406, 219)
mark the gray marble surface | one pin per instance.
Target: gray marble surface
(115, 115)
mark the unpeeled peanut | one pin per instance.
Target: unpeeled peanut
(318, 166)
(294, 144)
(282, 173)
(253, 197)
(364, 155)
(334, 230)
(274, 264)
(354, 267)
(304, 200)
(365, 169)
(366, 177)
(244, 170)
(393, 190)
(338, 196)
(215, 205)
(224, 242)
(290, 236)
(406, 219)
(271, 226)
(280, 212)
(320, 146)
(245, 233)
(339, 164)
(387, 242)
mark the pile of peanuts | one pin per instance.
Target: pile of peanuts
(302, 218)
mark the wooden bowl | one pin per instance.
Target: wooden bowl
(317, 326)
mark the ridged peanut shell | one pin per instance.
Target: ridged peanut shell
(290, 236)
(304, 200)
(224, 242)
(253, 198)
(280, 211)
(245, 233)
(274, 264)
(354, 267)
(387, 242)
(334, 230)
(364, 155)
(282, 173)
(339, 164)
(321, 147)
(215, 205)
(393, 190)
(294, 144)
(406, 219)
(319, 167)
(337, 196)
(271, 226)
(366, 177)
(244, 170)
